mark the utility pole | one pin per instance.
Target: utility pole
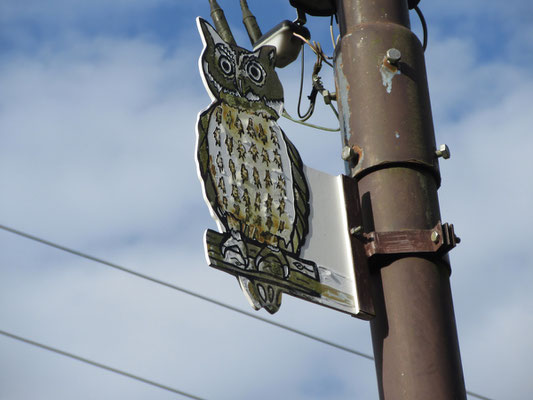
(385, 111)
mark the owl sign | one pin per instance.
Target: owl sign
(277, 234)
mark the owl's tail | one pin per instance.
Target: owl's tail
(261, 294)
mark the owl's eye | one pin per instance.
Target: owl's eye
(225, 65)
(255, 72)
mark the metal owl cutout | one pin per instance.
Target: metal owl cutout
(255, 183)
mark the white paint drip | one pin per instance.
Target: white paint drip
(387, 74)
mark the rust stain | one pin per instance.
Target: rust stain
(358, 154)
(392, 68)
(212, 165)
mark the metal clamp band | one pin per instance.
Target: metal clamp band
(440, 239)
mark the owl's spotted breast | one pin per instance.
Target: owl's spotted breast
(251, 167)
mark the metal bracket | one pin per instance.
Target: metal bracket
(440, 239)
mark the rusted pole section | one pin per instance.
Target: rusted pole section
(386, 119)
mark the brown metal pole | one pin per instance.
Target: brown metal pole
(414, 333)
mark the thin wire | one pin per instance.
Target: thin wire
(322, 128)
(197, 295)
(316, 49)
(424, 27)
(477, 395)
(317, 87)
(331, 32)
(311, 108)
(99, 365)
(302, 72)
(186, 291)
(335, 112)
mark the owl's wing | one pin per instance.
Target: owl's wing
(202, 154)
(301, 199)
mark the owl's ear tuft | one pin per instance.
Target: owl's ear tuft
(269, 53)
(207, 32)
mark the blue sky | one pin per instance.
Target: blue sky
(98, 104)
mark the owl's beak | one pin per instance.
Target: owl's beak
(240, 84)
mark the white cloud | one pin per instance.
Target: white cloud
(99, 133)
(61, 10)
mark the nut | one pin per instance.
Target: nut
(443, 151)
(435, 237)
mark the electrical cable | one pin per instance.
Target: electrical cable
(322, 128)
(186, 291)
(477, 395)
(197, 295)
(99, 365)
(335, 112)
(331, 33)
(317, 88)
(424, 27)
(317, 49)
(312, 98)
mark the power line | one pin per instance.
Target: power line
(201, 297)
(477, 395)
(99, 365)
(186, 291)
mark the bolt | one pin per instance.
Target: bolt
(327, 96)
(443, 151)
(356, 230)
(393, 56)
(435, 237)
(347, 153)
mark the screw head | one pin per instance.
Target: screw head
(393, 55)
(435, 237)
(347, 153)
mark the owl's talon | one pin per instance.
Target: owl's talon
(286, 271)
(271, 260)
(234, 250)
